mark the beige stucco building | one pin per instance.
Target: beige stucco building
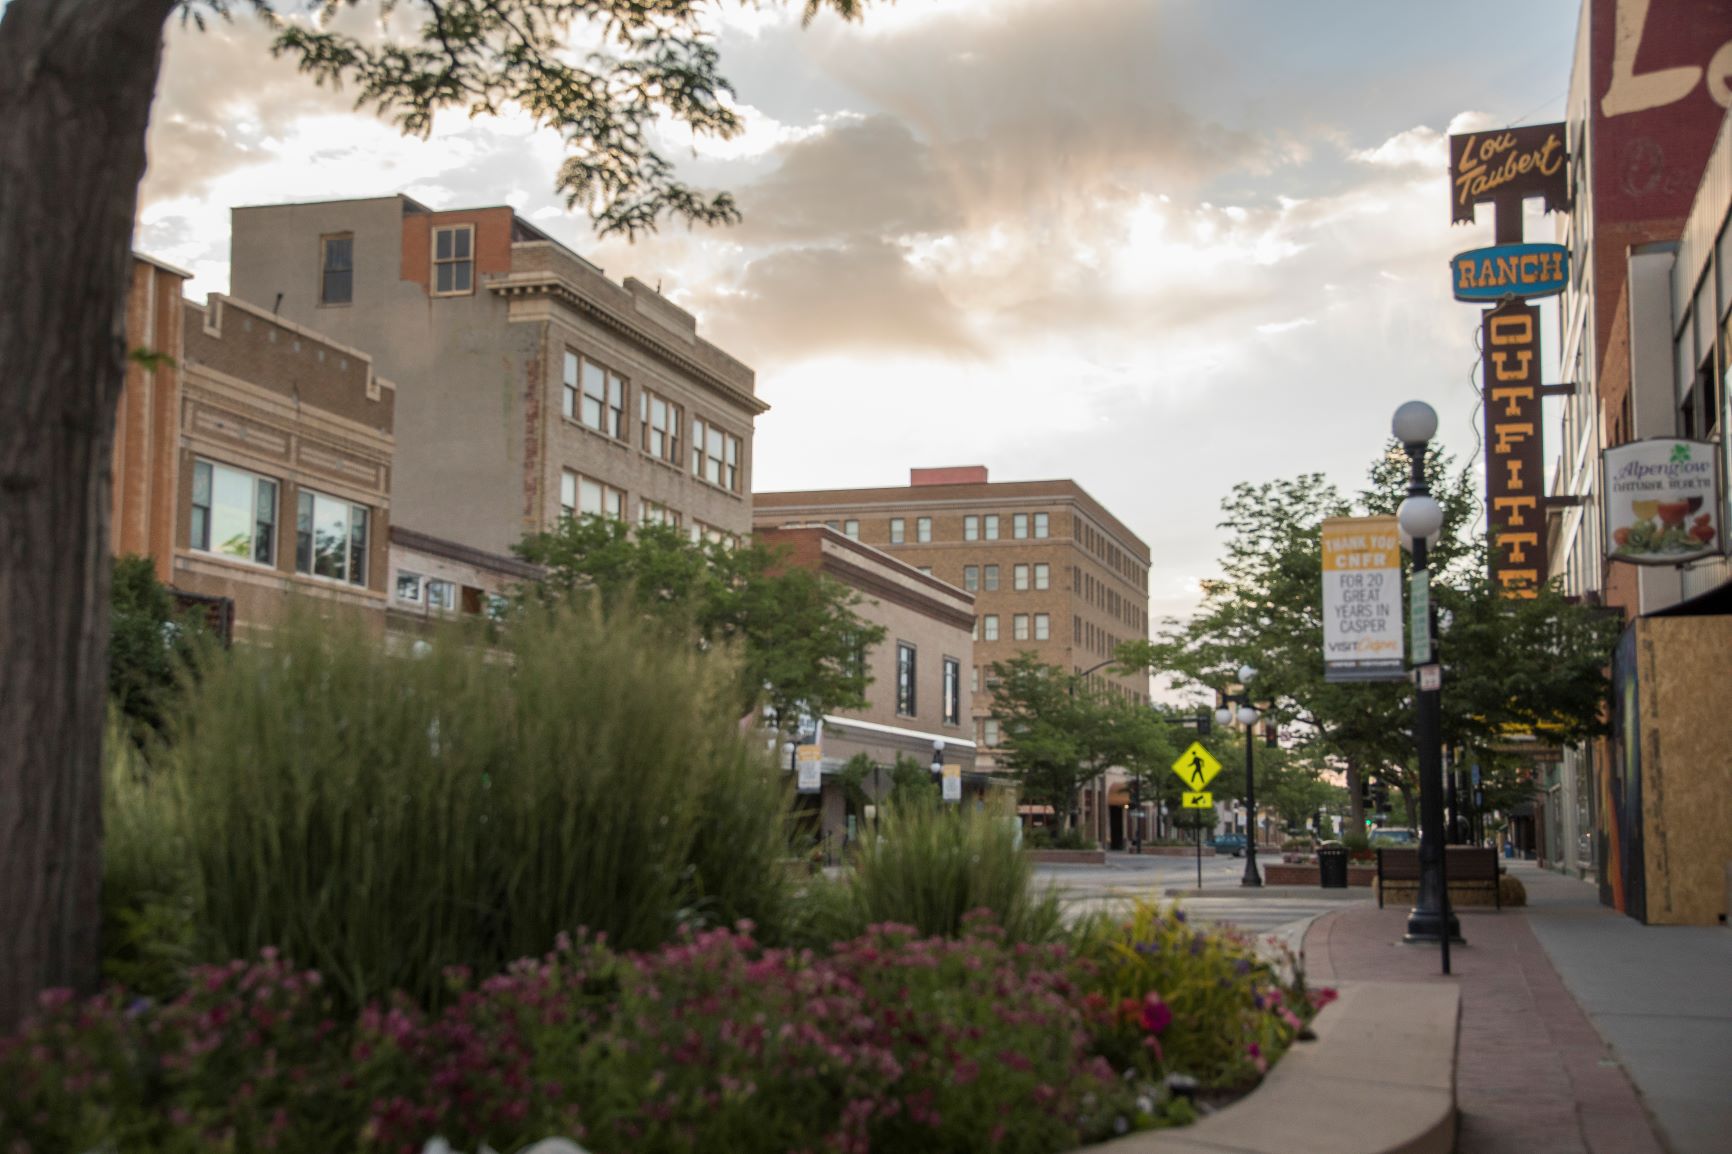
(530, 385)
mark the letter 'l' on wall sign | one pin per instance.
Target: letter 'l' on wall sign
(1510, 270)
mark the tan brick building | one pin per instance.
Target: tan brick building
(917, 702)
(529, 383)
(252, 456)
(1051, 570)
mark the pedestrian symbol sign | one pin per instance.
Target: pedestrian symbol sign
(1196, 766)
(1199, 800)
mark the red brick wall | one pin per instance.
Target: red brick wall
(492, 241)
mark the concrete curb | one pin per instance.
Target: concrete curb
(1378, 1079)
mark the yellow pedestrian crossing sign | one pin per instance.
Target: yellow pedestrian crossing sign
(1199, 800)
(1196, 766)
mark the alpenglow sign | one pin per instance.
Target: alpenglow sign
(1510, 270)
(1362, 634)
(1662, 502)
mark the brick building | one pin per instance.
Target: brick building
(1051, 570)
(529, 384)
(916, 704)
(252, 456)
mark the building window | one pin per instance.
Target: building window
(331, 538)
(234, 513)
(454, 260)
(952, 691)
(655, 513)
(990, 627)
(568, 394)
(905, 673)
(602, 405)
(408, 586)
(975, 681)
(583, 497)
(989, 731)
(1076, 630)
(1042, 575)
(851, 530)
(971, 528)
(660, 420)
(971, 578)
(336, 270)
(1019, 578)
(991, 576)
(923, 529)
(926, 569)
(1019, 627)
(715, 455)
(992, 526)
(1019, 526)
(1042, 627)
(1040, 525)
(442, 595)
(898, 527)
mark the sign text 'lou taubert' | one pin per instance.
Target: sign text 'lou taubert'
(1503, 169)
(1504, 270)
(1514, 460)
(1362, 599)
(1662, 502)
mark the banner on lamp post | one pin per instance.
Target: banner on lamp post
(1362, 635)
(952, 776)
(810, 761)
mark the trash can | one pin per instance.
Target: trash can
(1332, 864)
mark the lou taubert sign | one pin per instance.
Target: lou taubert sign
(1362, 634)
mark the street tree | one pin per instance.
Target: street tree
(77, 78)
(801, 644)
(1512, 666)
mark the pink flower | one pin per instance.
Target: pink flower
(1257, 1058)
(1157, 1015)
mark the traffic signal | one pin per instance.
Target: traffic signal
(1380, 796)
(1205, 723)
(1271, 734)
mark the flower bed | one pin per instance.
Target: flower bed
(889, 1042)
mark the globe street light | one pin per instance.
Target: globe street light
(1421, 519)
(1246, 715)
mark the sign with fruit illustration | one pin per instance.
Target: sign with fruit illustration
(1662, 502)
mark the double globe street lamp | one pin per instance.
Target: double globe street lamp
(1421, 519)
(1246, 715)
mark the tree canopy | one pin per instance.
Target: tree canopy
(801, 644)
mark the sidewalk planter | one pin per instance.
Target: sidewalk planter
(1324, 1098)
(1278, 874)
(1176, 851)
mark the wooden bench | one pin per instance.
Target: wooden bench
(1466, 865)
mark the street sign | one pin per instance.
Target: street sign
(1430, 678)
(1196, 766)
(810, 761)
(952, 783)
(1199, 800)
(1419, 613)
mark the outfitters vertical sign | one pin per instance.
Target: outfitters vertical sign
(1514, 460)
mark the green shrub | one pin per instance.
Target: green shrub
(383, 816)
(929, 864)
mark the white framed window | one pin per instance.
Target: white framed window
(990, 578)
(568, 402)
(1042, 627)
(975, 681)
(1042, 575)
(442, 595)
(601, 399)
(581, 496)
(454, 260)
(971, 528)
(1019, 526)
(1019, 627)
(971, 578)
(923, 529)
(952, 691)
(337, 269)
(989, 627)
(660, 421)
(409, 586)
(234, 513)
(331, 538)
(1019, 578)
(992, 526)
(905, 679)
(926, 569)
(989, 731)
(655, 513)
(898, 530)
(851, 530)
(1040, 526)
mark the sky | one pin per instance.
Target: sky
(1157, 246)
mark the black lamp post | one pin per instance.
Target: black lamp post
(1421, 518)
(1247, 716)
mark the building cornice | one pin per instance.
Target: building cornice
(520, 285)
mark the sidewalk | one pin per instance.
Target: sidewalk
(1533, 1075)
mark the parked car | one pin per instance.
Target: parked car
(1392, 838)
(1233, 843)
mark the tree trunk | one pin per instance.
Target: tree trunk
(76, 82)
(1355, 801)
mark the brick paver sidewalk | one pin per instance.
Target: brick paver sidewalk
(1533, 1075)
